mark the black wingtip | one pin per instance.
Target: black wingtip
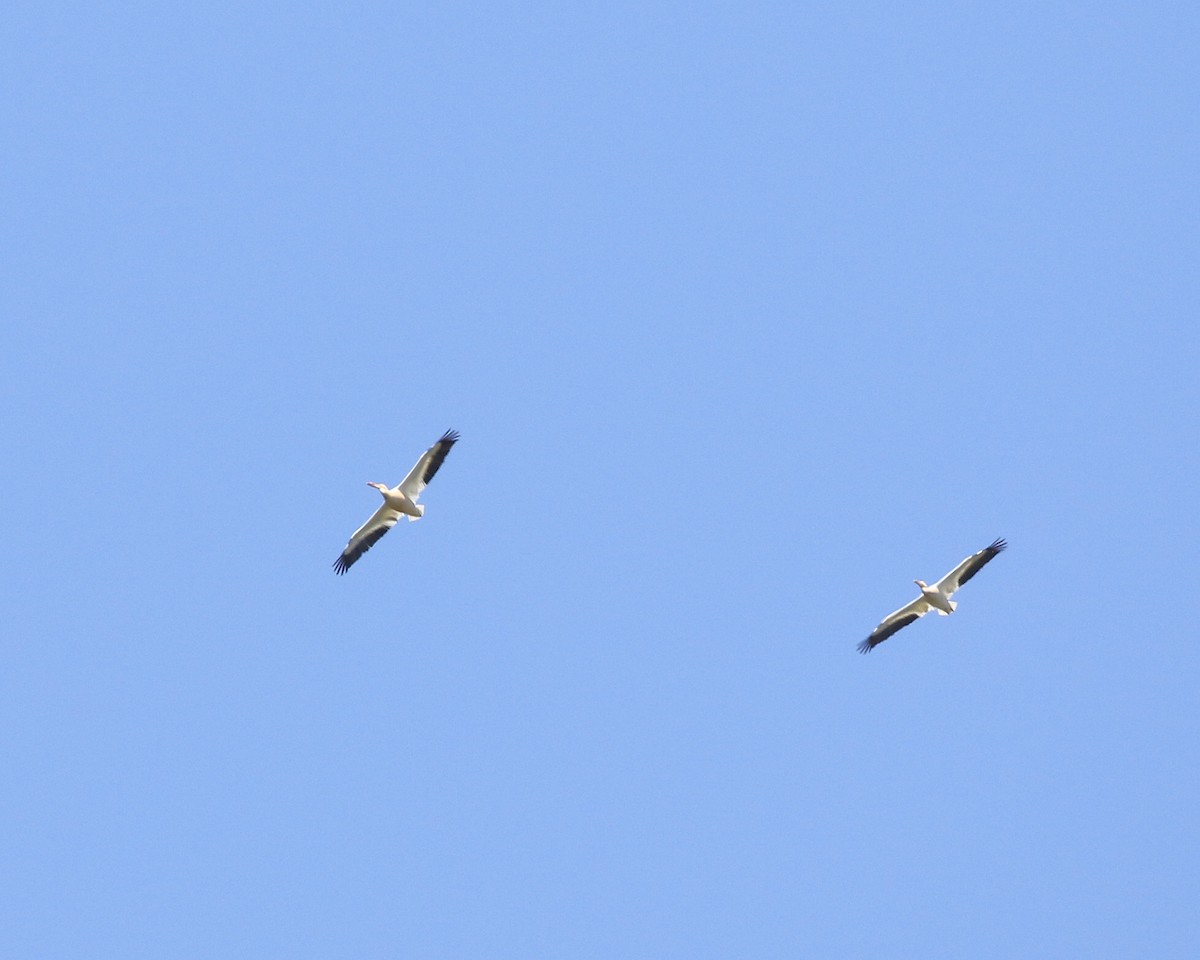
(340, 566)
(450, 436)
(999, 544)
(866, 646)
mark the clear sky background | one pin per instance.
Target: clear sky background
(749, 314)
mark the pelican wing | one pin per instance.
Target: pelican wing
(895, 621)
(366, 536)
(424, 469)
(969, 567)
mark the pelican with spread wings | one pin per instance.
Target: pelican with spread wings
(936, 597)
(400, 500)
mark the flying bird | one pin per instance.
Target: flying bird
(936, 597)
(397, 500)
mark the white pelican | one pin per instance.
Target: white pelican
(397, 500)
(936, 597)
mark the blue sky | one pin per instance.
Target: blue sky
(749, 315)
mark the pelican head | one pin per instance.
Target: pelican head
(381, 487)
(921, 583)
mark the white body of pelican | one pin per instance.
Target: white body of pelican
(400, 500)
(936, 597)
